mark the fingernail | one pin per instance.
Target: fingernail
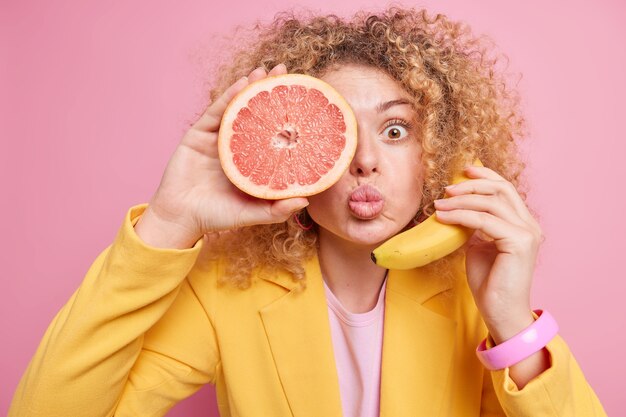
(306, 203)
(447, 187)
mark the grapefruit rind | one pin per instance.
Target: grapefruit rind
(241, 100)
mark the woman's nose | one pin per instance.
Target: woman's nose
(365, 161)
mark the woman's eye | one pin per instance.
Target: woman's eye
(395, 132)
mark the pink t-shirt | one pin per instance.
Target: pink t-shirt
(358, 342)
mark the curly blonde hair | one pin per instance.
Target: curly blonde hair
(466, 109)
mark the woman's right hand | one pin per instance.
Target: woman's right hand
(195, 196)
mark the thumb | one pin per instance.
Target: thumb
(280, 210)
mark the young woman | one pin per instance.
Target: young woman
(278, 303)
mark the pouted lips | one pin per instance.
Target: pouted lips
(366, 202)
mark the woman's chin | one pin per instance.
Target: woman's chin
(370, 236)
(363, 233)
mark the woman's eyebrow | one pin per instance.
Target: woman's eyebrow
(382, 107)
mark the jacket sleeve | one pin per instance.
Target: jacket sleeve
(105, 350)
(559, 391)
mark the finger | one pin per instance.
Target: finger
(475, 171)
(212, 117)
(278, 70)
(484, 203)
(281, 209)
(257, 74)
(266, 212)
(500, 188)
(508, 237)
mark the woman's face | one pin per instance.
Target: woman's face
(381, 191)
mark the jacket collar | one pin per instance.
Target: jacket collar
(418, 345)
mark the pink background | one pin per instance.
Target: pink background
(94, 98)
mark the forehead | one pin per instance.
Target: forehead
(364, 86)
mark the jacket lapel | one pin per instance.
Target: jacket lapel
(418, 346)
(298, 331)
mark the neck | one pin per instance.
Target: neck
(349, 272)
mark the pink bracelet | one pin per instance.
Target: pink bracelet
(530, 340)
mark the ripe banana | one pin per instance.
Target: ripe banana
(426, 242)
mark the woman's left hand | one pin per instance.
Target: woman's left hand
(501, 255)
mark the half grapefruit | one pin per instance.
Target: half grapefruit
(290, 135)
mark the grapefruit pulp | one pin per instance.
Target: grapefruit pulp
(290, 135)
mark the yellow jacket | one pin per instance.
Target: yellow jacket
(148, 327)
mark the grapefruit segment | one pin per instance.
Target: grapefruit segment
(285, 136)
